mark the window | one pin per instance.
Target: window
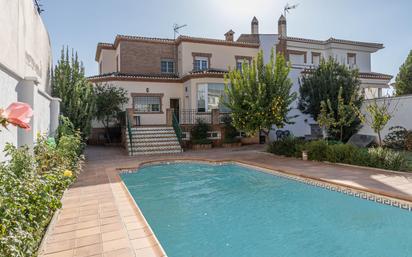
(296, 57)
(201, 63)
(167, 66)
(117, 63)
(100, 67)
(213, 135)
(147, 103)
(315, 58)
(239, 64)
(351, 59)
(242, 59)
(209, 96)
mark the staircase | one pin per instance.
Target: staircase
(152, 140)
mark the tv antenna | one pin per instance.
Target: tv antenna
(288, 8)
(176, 29)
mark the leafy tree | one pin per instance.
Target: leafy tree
(259, 95)
(345, 115)
(324, 83)
(404, 77)
(76, 94)
(378, 115)
(109, 102)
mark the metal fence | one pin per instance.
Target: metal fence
(191, 116)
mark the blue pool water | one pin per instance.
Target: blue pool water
(199, 210)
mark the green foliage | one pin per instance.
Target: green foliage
(317, 150)
(287, 146)
(337, 121)
(377, 117)
(31, 188)
(386, 159)
(199, 133)
(396, 138)
(325, 83)
(77, 95)
(344, 153)
(259, 95)
(404, 78)
(109, 103)
(230, 131)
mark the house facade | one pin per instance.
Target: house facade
(187, 74)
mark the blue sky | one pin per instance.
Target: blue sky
(81, 24)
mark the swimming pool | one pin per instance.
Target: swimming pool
(202, 210)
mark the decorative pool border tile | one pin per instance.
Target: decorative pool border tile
(374, 197)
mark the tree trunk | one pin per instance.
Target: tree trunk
(108, 131)
(379, 138)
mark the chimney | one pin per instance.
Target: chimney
(282, 27)
(281, 47)
(229, 35)
(255, 26)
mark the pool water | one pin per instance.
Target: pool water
(200, 210)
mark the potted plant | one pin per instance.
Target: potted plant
(231, 134)
(199, 136)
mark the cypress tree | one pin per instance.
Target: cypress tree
(404, 77)
(77, 95)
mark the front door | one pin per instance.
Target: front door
(174, 104)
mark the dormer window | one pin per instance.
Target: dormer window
(351, 59)
(167, 66)
(201, 61)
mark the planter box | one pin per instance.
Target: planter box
(250, 140)
(231, 145)
(202, 147)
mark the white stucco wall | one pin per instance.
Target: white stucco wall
(25, 64)
(399, 107)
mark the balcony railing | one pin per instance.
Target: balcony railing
(191, 116)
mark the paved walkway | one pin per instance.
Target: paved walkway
(98, 218)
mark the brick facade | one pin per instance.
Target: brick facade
(145, 57)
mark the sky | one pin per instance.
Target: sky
(81, 24)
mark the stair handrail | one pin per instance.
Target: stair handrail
(129, 129)
(177, 128)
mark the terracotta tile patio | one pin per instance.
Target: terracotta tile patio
(98, 218)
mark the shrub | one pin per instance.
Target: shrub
(199, 132)
(386, 159)
(32, 184)
(287, 146)
(408, 142)
(396, 138)
(342, 153)
(317, 150)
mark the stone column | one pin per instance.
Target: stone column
(26, 93)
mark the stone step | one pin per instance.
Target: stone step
(156, 152)
(150, 128)
(155, 148)
(152, 135)
(154, 140)
(164, 143)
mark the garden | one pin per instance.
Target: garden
(260, 98)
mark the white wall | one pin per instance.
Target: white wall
(25, 64)
(399, 107)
